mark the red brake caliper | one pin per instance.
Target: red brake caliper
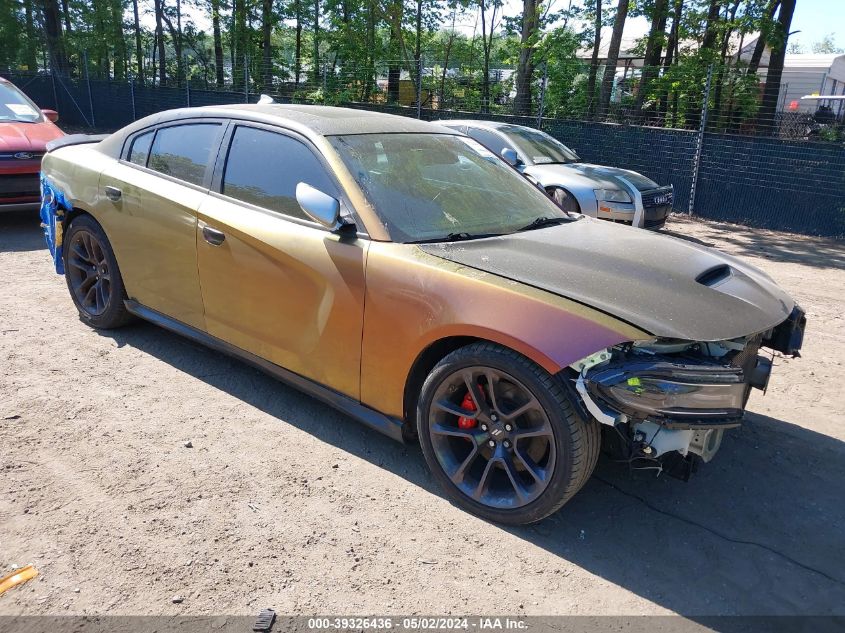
(469, 404)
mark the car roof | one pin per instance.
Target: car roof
(309, 120)
(490, 125)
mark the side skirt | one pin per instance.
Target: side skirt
(370, 417)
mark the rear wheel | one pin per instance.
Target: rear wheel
(564, 199)
(92, 275)
(501, 436)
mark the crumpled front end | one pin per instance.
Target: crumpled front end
(54, 206)
(669, 401)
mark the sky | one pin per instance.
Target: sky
(813, 19)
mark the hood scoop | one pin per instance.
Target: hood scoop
(714, 276)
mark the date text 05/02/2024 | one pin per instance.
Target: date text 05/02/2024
(493, 623)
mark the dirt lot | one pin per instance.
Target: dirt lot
(283, 502)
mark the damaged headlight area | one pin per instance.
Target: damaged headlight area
(674, 394)
(670, 399)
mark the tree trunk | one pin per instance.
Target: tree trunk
(54, 36)
(594, 64)
(30, 52)
(394, 67)
(653, 50)
(612, 59)
(267, 44)
(525, 66)
(487, 46)
(316, 62)
(139, 47)
(711, 28)
(297, 56)
(218, 43)
(158, 8)
(768, 108)
(177, 39)
(370, 70)
(66, 14)
(762, 39)
(119, 42)
(671, 51)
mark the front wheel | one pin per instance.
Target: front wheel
(564, 199)
(501, 436)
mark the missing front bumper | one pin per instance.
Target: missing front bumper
(671, 394)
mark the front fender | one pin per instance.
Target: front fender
(413, 300)
(577, 185)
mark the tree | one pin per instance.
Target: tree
(827, 46)
(489, 10)
(139, 47)
(525, 66)
(612, 58)
(54, 36)
(594, 61)
(779, 42)
(218, 42)
(653, 48)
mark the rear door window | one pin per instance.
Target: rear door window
(184, 151)
(263, 168)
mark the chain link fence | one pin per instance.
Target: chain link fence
(731, 152)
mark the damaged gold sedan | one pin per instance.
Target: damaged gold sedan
(404, 274)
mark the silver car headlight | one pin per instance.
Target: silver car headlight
(612, 195)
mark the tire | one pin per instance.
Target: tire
(92, 275)
(564, 199)
(528, 427)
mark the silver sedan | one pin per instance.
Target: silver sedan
(602, 192)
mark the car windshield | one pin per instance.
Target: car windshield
(14, 106)
(438, 187)
(539, 147)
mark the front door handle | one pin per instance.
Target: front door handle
(213, 236)
(113, 193)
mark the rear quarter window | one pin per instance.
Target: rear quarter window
(184, 151)
(140, 149)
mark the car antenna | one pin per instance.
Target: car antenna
(264, 99)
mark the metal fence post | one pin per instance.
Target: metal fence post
(542, 94)
(246, 78)
(419, 86)
(132, 97)
(55, 92)
(88, 81)
(699, 143)
(187, 92)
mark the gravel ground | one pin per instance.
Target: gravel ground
(283, 502)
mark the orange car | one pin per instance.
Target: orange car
(408, 276)
(25, 130)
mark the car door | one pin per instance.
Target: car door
(275, 283)
(150, 200)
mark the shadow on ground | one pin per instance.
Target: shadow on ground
(794, 248)
(20, 231)
(757, 531)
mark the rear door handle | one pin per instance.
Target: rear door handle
(113, 193)
(213, 236)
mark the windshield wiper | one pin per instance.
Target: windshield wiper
(543, 222)
(455, 237)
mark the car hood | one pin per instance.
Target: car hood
(591, 176)
(27, 137)
(666, 286)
